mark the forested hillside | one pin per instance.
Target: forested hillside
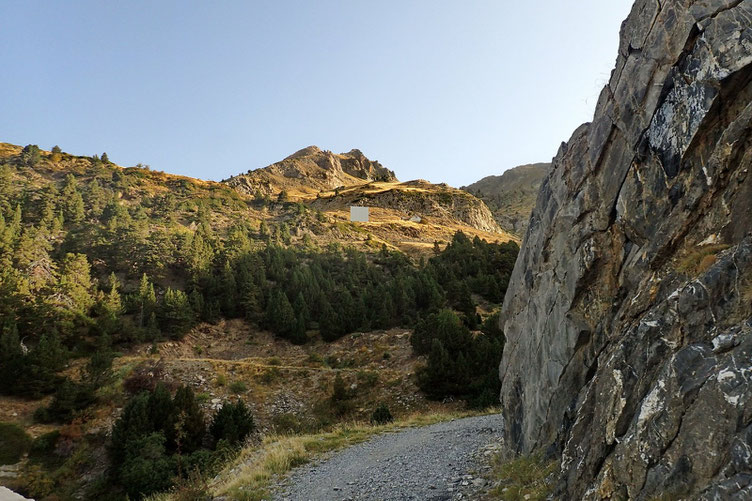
(99, 260)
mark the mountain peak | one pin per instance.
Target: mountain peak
(305, 152)
(311, 170)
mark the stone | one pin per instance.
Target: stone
(628, 335)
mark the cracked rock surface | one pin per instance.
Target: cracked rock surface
(436, 462)
(628, 315)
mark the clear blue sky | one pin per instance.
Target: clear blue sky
(448, 91)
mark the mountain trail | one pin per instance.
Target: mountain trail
(436, 462)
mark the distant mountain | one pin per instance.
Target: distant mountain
(309, 171)
(511, 196)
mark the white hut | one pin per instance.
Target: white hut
(359, 214)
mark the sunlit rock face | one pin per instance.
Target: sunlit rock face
(629, 314)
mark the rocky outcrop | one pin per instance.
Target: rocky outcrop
(629, 314)
(311, 170)
(417, 198)
(511, 196)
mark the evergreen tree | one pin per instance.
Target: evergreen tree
(232, 422)
(176, 313)
(280, 317)
(75, 283)
(73, 202)
(186, 425)
(12, 358)
(30, 155)
(147, 300)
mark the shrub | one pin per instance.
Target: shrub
(69, 398)
(381, 415)
(14, 442)
(238, 387)
(145, 377)
(340, 397)
(270, 375)
(43, 446)
(368, 379)
(233, 423)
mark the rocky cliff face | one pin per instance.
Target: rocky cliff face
(311, 170)
(628, 317)
(511, 196)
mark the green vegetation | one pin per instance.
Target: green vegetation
(14, 443)
(459, 363)
(95, 258)
(249, 475)
(524, 478)
(381, 415)
(159, 437)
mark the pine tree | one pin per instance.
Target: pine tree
(280, 316)
(73, 202)
(30, 155)
(147, 300)
(160, 406)
(176, 314)
(12, 358)
(75, 283)
(186, 426)
(232, 422)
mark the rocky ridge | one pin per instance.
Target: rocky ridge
(511, 196)
(629, 314)
(311, 170)
(419, 199)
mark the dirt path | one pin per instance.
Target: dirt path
(437, 462)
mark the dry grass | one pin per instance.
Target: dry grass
(251, 474)
(699, 259)
(524, 478)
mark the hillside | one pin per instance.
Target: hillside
(511, 196)
(629, 314)
(309, 171)
(136, 306)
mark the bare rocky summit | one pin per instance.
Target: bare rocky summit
(311, 170)
(628, 316)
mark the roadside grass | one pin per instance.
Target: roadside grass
(250, 476)
(523, 478)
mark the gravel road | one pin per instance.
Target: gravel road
(436, 463)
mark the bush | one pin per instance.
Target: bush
(145, 377)
(14, 443)
(69, 398)
(233, 423)
(43, 446)
(381, 415)
(238, 387)
(340, 397)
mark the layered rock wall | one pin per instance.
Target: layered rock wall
(629, 339)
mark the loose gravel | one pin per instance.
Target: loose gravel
(436, 462)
